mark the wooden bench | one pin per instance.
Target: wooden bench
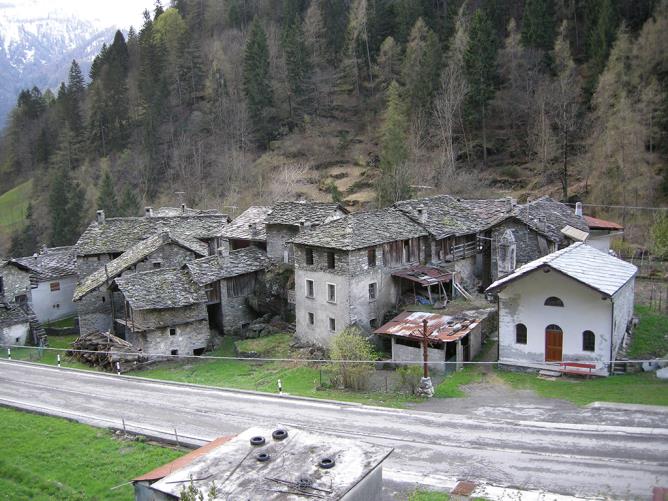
(577, 369)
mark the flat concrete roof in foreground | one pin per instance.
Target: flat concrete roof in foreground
(303, 465)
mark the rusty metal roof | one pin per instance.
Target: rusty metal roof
(442, 328)
(424, 275)
(601, 224)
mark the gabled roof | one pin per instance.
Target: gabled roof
(160, 289)
(120, 233)
(362, 229)
(132, 256)
(238, 262)
(249, 225)
(601, 224)
(50, 263)
(589, 266)
(548, 217)
(184, 211)
(443, 215)
(12, 315)
(294, 213)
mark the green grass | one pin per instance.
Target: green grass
(13, 205)
(49, 357)
(276, 346)
(46, 458)
(63, 323)
(296, 378)
(641, 388)
(428, 496)
(650, 337)
(449, 387)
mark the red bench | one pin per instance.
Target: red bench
(577, 368)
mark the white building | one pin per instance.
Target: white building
(572, 306)
(14, 325)
(601, 232)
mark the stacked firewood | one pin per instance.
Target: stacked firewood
(104, 350)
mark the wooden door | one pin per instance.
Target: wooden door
(554, 341)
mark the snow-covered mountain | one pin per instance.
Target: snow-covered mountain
(37, 47)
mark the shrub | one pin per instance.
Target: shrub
(350, 345)
(410, 377)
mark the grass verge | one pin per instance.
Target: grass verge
(47, 458)
(296, 378)
(13, 206)
(642, 388)
(650, 337)
(428, 496)
(50, 357)
(449, 387)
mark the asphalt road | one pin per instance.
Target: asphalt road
(567, 457)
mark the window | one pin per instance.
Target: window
(54, 286)
(172, 331)
(310, 289)
(21, 299)
(407, 251)
(175, 352)
(521, 334)
(311, 318)
(554, 301)
(157, 265)
(371, 257)
(588, 341)
(331, 260)
(331, 293)
(332, 324)
(373, 323)
(309, 256)
(2, 287)
(372, 291)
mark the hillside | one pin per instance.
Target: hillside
(229, 104)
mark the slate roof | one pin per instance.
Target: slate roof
(184, 211)
(240, 228)
(134, 255)
(51, 263)
(118, 234)
(12, 315)
(160, 289)
(556, 216)
(598, 270)
(362, 229)
(239, 262)
(443, 215)
(293, 213)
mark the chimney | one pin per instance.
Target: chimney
(542, 223)
(302, 222)
(421, 213)
(253, 228)
(99, 217)
(183, 208)
(148, 211)
(578, 209)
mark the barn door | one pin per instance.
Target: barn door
(554, 341)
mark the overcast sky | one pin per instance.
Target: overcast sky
(121, 13)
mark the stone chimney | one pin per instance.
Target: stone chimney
(253, 228)
(183, 208)
(99, 217)
(422, 214)
(302, 223)
(148, 211)
(542, 223)
(578, 209)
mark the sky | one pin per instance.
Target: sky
(120, 13)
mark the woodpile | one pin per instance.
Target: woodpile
(103, 350)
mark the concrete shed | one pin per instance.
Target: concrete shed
(568, 311)
(271, 465)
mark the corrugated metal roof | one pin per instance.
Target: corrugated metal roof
(424, 275)
(443, 328)
(594, 268)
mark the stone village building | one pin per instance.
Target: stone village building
(164, 312)
(229, 280)
(14, 325)
(574, 305)
(287, 219)
(247, 229)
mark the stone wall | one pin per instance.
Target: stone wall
(16, 282)
(277, 237)
(623, 313)
(94, 311)
(529, 244)
(188, 337)
(236, 312)
(16, 334)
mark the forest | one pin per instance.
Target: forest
(231, 103)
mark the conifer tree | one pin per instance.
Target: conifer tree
(538, 24)
(407, 14)
(25, 241)
(298, 66)
(75, 96)
(66, 203)
(600, 39)
(480, 70)
(106, 197)
(129, 206)
(394, 183)
(421, 67)
(388, 66)
(257, 83)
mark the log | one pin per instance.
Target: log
(103, 350)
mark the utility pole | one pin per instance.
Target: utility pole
(425, 348)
